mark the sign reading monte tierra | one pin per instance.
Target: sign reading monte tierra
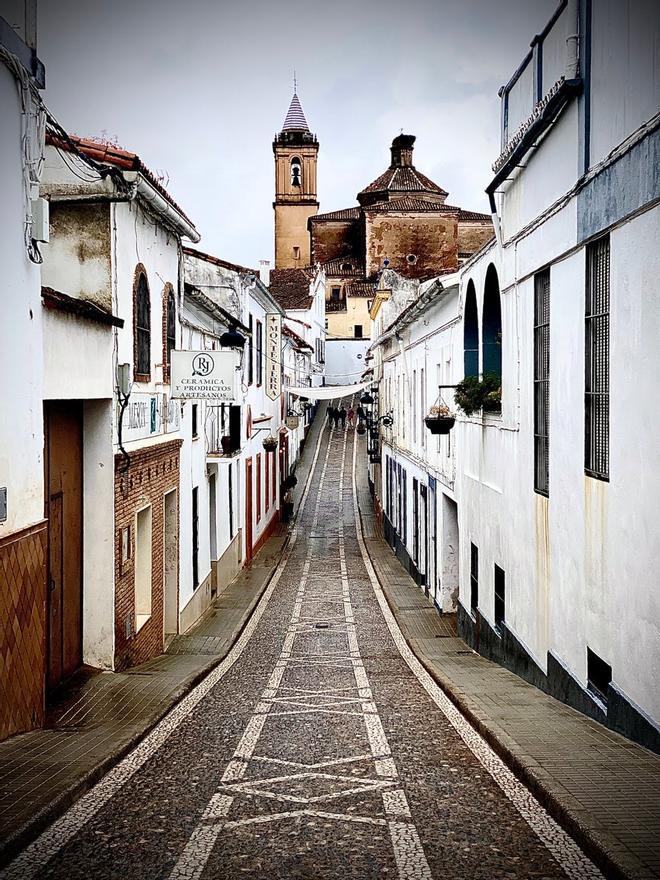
(273, 355)
(204, 375)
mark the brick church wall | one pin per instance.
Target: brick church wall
(153, 472)
(430, 238)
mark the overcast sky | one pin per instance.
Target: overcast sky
(198, 89)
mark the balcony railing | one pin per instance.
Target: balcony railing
(335, 305)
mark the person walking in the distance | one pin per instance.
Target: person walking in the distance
(342, 416)
(331, 414)
(351, 417)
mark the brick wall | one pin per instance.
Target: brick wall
(471, 236)
(334, 239)
(22, 629)
(153, 472)
(431, 239)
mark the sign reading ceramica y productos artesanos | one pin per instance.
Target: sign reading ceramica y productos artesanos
(273, 355)
(204, 375)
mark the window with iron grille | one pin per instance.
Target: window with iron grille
(500, 606)
(170, 341)
(597, 360)
(260, 352)
(142, 330)
(542, 382)
(474, 578)
(250, 357)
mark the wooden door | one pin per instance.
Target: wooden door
(248, 509)
(64, 480)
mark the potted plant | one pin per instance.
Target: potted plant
(270, 443)
(473, 393)
(361, 428)
(439, 420)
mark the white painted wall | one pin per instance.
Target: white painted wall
(77, 357)
(21, 357)
(344, 360)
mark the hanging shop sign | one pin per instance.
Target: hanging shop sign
(273, 355)
(291, 422)
(147, 415)
(205, 375)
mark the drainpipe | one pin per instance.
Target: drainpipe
(495, 218)
(573, 41)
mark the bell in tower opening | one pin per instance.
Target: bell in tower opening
(295, 172)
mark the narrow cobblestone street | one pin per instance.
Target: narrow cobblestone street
(319, 748)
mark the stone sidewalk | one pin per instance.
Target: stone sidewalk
(101, 718)
(601, 787)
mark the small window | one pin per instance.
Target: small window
(357, 331)
(411, 259)
(542, 382)
(599, 676)
(170, 332)
(142, 330)
(195, 426)
(250, 351)
(335, 294)
(125, 544)
(260, 352)
(346, 267)
(597, 361)
(474, 578)
(499, 597)
(296, 253)
(326, 323)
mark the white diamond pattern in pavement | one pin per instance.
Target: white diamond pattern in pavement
(320, 673)
(408, 852)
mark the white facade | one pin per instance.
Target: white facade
(557, 575)
(21, 451)
(345, 360)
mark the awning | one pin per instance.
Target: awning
(327, 392)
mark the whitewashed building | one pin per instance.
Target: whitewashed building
(556, 485)
(23, 527)
(115, 251)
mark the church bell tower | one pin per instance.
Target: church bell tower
(296, 152)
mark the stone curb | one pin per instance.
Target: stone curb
(560, 813)
(23, 836)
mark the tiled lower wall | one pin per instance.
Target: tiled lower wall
(22, 629)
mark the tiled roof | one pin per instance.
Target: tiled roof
(333, 268)
(360, 288)
(474, 216)
(109, 154)
(290, 287)
(410, 203)
(54, 299)
(343, 214)
(295, 118)
(404, 178)
(224, 264)
(299, 341)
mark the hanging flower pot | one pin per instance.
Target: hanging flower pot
(361, 428)
(270, 443)
(366, 399)
(439, 420)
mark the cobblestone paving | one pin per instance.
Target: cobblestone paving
(317, 749)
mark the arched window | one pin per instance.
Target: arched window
(141, 327)
(471, 332)
(169, 328)
(296, 172)
(491, 333)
